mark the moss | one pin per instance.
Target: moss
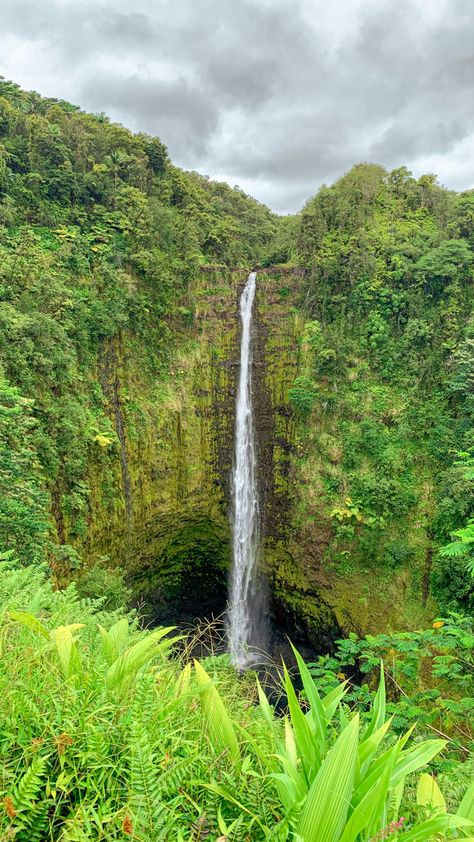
(176, 444)
(172, 537)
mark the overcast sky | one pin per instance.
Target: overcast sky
(278, 96)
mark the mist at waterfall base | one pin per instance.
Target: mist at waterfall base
(246, 616)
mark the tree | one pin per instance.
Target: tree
(448, 262)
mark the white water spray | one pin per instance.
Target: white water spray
(244, 583)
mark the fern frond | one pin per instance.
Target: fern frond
(36, 823)
(144, 786)
(28, 788)
(456, 549)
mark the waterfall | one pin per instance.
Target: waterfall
(244, 610)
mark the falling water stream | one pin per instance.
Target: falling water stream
(243, 609)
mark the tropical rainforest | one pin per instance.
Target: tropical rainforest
(120, 277)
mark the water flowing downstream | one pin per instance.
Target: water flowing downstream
(243, 620)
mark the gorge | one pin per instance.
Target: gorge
(122, 277)
(207, 409)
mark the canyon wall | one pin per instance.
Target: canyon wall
(160, 492)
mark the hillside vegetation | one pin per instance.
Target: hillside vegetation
(384, 393)
(99, 238)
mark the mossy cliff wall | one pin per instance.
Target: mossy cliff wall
(321, 586)
(161, 489)
(297, 601)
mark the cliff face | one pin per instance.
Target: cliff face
(297, 599)
(159, 501)
(161, 495)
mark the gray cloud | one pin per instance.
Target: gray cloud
(171, 108)
(276, 95)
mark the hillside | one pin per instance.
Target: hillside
(383, 397)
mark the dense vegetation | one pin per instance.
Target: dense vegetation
(108, 731)
(385, 393)
(105, 736)
(99, 236)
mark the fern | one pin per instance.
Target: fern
(36, 823)
(463, 547)
(145, 791)
(28, 788)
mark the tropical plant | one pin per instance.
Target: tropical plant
(461, 546)
(337, 784)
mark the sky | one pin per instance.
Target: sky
(277, 96)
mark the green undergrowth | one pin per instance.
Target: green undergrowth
(108, 734)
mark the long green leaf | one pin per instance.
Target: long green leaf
(265, 706)
(378, 713)
(306, 742)
(113, 639)
(65, 643)
(123, 671)
(332, 699)
(466, 807)
(371, 805)
(438, 824)
(416, 757)
(316, 714)
(217, 720)
(369, 746)
(30, 621)
(325, 812)
(428, 793)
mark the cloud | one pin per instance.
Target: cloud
(179, 111)
(278, 96)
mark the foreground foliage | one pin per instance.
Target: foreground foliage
(107, 736)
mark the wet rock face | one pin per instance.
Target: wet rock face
(160, 503)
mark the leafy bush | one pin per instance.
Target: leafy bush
(430, 675)
(303, 395)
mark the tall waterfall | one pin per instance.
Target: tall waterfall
(244, 586)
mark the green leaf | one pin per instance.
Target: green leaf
(216, 718)
(332, 699)
(183, 681)
(65, 643)
(265, 705)
(325, 811)
(428, 793)
(30, 621)
(371, 806)
(306, 742)
(438, 824)
(414, 758)
(466, 807)
(114, 638)
(378, 714)
(123, 671)
(317, 713)
(369, 746)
